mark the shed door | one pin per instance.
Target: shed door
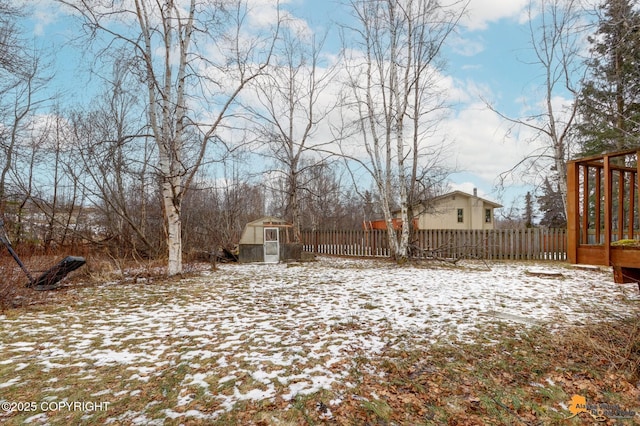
(271, 245)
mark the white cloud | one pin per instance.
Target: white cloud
(265, 14)
(464, 92)
(480, 13)
(482, 146)
(43, 13)
(466, 46)
(478, 135)
(42, 19)
(469, 187)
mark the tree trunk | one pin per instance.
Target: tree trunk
(561, 167)
(391, 232)
(295, 209)
(174, 229)
(175, 72)
(403, 245)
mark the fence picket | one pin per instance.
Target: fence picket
(499, 244)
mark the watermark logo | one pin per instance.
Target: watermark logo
(600, 412)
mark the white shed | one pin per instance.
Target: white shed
(268, 239)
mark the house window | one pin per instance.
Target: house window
(460, 215)
(487, 215)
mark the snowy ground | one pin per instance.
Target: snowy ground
(271, 332)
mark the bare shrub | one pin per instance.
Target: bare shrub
(13, 290)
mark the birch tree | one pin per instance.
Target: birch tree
(194, 58)
(554, 28)
(393, 79)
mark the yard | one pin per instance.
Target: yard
(335, 341)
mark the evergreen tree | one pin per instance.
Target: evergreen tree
(551, 207)
(528, 211)
(610, 98)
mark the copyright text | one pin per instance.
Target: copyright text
(9, 406)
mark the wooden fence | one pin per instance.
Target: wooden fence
(498, 244)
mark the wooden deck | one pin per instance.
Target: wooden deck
(602, 207)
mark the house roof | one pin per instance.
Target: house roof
(464, 194)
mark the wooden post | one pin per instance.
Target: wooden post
(573, 214)
(585, 205)
(488, 249)
(621, 205)
(374, 242)
(608, 190)
(598, 203)
(632, 206)
(638, 177)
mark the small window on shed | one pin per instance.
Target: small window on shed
(460, 215)
(271, 234)
(487, 215)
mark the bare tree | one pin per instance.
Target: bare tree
(182, 80)
(45, 193)
(113, 153)
(25, 168)
(555, 41)
(21, 81)
(293, 102)
(393, 80)
(21, 101)
(12, 58)
(217, 210)
(327, 204)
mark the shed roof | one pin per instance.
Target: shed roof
(268, 221)
(253, 231)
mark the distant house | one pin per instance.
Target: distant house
(454, 210)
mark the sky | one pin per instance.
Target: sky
(486, 59)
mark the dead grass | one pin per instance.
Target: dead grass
(100, 268)
(510, 375)
(13, 291)
(524, 379)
